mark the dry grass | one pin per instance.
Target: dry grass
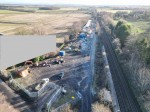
(72, 8)
(97, 107)
(66, 109)
(5, 106)
(63, 109)
(54, 23)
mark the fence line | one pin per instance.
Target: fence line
(33, 94)
(115, 103)
(53, 98)
(78, 97)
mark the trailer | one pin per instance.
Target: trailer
(87, 27)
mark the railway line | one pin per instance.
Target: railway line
(125, 96)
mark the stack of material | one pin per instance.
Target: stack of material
(23, 72)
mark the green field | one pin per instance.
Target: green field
(53, 11)
(11, 12)
(143, 25)
(137, 26)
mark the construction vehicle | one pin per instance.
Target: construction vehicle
(87, 27)
(61, 75)
(59, 60)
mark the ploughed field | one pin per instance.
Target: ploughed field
(53, 23)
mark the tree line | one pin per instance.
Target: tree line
(49, 8)
(133, 15)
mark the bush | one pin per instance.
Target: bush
(37, 59)
(41, 58)
(122, 31)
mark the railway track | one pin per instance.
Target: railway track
(125, 96)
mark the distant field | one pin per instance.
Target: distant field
(55, 21)
(11, 12)
(9, 28)
(137, 26)
(55, 11)
(69, 9)
(111, 10)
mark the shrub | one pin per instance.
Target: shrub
(37, 59)
(41, 58)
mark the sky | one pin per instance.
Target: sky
(80, 2)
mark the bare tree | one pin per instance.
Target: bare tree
(39, 29)
(22, 31)
(140, 74)
(117, 45)
(77, 26)
(97, 107)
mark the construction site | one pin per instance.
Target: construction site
(84, 74)
(58, 81)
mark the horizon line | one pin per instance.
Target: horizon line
(69, 4)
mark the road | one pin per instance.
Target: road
(125, 96)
